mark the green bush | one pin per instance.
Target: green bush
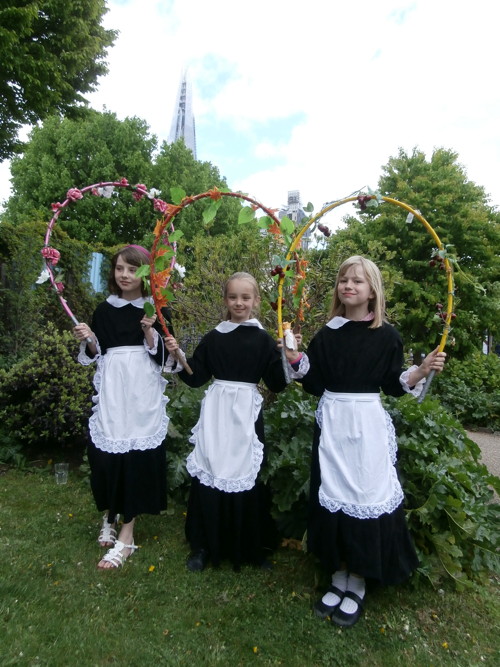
(449, 494)
(45, 399)
(183, 410)
(470, 390)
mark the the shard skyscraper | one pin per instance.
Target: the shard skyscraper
(183, 118)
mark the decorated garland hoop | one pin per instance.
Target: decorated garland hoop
(158, 287)
(104, 189)
(440, 252)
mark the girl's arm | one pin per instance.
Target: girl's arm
(199, 363)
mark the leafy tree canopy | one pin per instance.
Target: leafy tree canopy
(459, 212)
(52, 52)
(176, 166)
(65, 153)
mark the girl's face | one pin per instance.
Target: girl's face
(354, 290)
(240, 300)
(126, 280)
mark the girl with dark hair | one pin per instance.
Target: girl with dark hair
(129, 423)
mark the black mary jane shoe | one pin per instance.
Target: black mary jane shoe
(343, 619)
(197, 560)
(323, 610)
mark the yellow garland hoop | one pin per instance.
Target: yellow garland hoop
(441, 251)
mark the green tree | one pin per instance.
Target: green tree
(66, 153)
(52, 52)
(176, 166)
(459, 211)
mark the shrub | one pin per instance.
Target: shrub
(45, 398)
(448, 493)
(470, 389)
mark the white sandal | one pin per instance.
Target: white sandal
(115, 555)
(107, 536)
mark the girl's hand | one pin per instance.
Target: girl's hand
(82, 331)
(171, 344)
(147, 322)
(292, 355)
(433, 362)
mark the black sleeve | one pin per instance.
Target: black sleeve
(199, 364)
(313, 382)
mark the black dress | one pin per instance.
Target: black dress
(129, 423)
(355, 360)
(234, 525)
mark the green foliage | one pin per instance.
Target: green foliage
(26, 307)
(176, 173)
(66, 153)
(451, 515)
(51, 52)
(11, 451)
(288, 419)
(209, 262)
(183, 410)
(45, 398)
(470, 390)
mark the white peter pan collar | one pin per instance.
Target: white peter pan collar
(338, 321)
(227, 326)
(118, 302)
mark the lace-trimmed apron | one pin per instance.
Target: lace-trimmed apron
(357, 453)
(227, 453)
(129, 411)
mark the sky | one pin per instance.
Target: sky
(313, 95)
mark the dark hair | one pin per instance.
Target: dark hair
(131, 255)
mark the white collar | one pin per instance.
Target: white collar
(337, 322)
(227, 326)
(118, 302)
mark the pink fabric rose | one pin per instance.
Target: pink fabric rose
(51, 255)
(139, 192)
(73, 194)
(160, 205)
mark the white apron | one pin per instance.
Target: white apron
(227, 453)
(129, 411)
(357, 453)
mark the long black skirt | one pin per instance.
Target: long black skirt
(129, 484)
(233, 526)
(379, 549)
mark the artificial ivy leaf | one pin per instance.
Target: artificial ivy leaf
(175, 236)
(149, 309)
(246, 214)
(309, 208)
(286, 225)
(210, 212)
(162, 261)
(264, 222)
(142, 271)
(177, 194)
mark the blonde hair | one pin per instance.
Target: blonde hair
(376, 305)
(242, 275)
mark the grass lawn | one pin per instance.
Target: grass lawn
(58, 609)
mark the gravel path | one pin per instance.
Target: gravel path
(489, 443)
